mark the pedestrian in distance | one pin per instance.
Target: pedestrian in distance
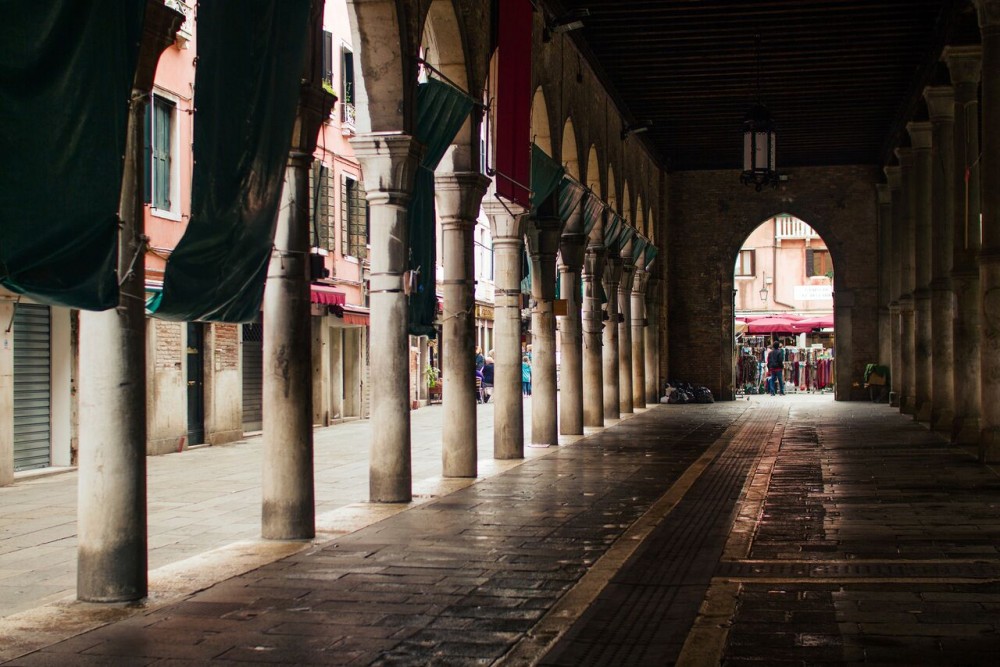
(525, 376)
(776, 369)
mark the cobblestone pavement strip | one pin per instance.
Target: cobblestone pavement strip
(457, 580)
(877, 544)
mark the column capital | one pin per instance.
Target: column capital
(389, 162)
(988, 12)
(940, 103)
(542, 235)
(614, 269)
(640, 281)
(920, 135)
(594, 261)
(893, 177)
(507, 219)
(965, 63)
(459, 195)
(884, 193)
(571, 250)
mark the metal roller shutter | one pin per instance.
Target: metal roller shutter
(253, 376)
(32, 380)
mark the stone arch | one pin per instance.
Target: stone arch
(386, 79)
(568, 152)
(640, 216)
(626, 209)
(593, 172)
(541, 135)
(611, 193)
(443, 46)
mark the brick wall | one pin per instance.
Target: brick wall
(169, 353)
(710, 216)
(227, 346)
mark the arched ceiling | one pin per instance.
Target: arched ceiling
(839, 76)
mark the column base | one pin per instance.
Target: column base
(944, 422)
(989, 446)
(966, 431)
(893, 399)
(907, 405)
(924, 412)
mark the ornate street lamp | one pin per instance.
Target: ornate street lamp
(763, 289)
(758, 149)
(759, 166)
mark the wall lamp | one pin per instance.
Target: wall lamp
(629, 130)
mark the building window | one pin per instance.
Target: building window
(328, 60)
(160, 179)
(355, 229)
(745, 263)
(819, 263)
(320, 193)
(347, 88)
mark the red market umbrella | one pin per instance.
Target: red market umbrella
(767, 325)
(810, 323)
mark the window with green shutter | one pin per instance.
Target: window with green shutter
(162, 117)
(355, 231)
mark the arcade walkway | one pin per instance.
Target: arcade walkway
(774, 531)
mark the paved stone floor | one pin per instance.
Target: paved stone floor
(775, 531)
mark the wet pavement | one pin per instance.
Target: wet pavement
(775, 531)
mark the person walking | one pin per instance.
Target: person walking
(776, 369)
(525, 376)
(487, 372)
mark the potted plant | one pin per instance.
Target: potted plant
(432, 377)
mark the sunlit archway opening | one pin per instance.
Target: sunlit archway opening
(783, 293)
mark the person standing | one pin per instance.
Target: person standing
(480, 359)
(776, 369)
(488, 379)
(525, 376)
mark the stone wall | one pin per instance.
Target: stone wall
(223, 384)
(166, 383)
(711, 214)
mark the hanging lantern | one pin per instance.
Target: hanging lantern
(759, 166)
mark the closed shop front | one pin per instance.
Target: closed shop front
(32, 387)
(253, 376)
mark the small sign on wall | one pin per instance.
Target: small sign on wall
(813, 292)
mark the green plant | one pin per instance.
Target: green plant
(431, 376)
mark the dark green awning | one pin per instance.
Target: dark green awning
(250, 57)
(441, 111)
(571, 194)
(66, 73)
(546, 174)
(651, 252)
(639, 248)
(593, 208)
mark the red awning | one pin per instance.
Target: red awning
(326, 296)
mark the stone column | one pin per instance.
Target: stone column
(989, 255)
(922, 200)
(625, 330)
(964, 67)
(111, 491)
(612, 388)
(941, 104)
(458, 196)
(652, 334)
(571, 250)
(884, 198)
(543, 243)
(288, 508)
(507, 222)
(639, 337)
(893, 175)
(593, 324)
(907, 282)
(389, 162)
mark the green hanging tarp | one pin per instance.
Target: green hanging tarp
(613, 232)
(639, 249)
(593, 207)
(441, 112)
(627, 234)
(571, 195)
(546, 174)
(525, 271)
(651, 253)
(250, 57)
(66, 73)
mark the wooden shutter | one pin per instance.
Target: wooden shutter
(162, 113)
(810, 260)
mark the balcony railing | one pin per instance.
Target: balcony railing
(793, 228)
